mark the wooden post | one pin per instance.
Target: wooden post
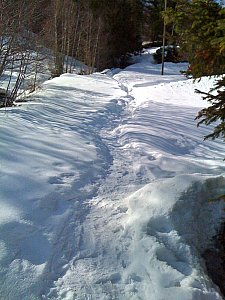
(164, 40)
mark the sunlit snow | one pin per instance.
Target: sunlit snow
(105, 183)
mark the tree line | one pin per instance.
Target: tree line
(97, 32)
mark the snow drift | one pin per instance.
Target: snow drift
(105, 184)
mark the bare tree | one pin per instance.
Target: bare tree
(18, 48)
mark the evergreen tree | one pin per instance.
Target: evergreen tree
(216, 96)
(200, 25)
(216, 110)
(153, 11)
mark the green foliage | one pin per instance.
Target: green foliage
(154, 18)
(201, 33)
(216, 111)
(200, 27)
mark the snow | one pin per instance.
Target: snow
(39, 69)
(105, 184)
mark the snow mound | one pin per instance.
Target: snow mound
(172, 223)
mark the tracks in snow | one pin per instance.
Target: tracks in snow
(94, 253)
(90, 248)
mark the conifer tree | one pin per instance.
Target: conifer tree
(216, 110)
(153, 10)
(216, 96)
(200, 25)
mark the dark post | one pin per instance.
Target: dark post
(164, 40)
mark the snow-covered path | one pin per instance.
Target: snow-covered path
(105, 182)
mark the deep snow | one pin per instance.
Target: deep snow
(104, 183)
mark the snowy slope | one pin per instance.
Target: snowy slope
(104, 189)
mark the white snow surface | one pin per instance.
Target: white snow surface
(105, 183)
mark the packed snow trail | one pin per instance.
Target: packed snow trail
(104, 192)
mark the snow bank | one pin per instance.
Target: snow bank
(173, 222)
